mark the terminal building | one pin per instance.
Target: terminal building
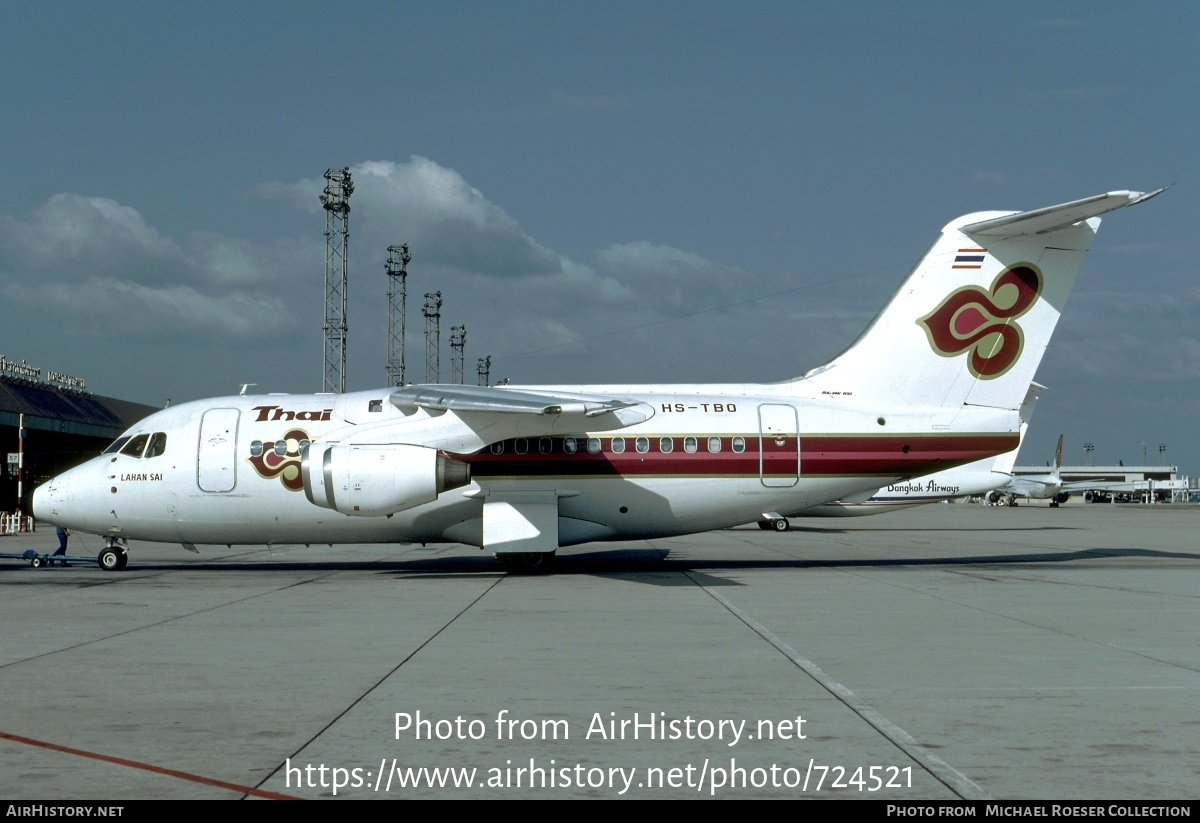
(1119, 484)
(49, 424)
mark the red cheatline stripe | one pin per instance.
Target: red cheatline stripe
(195, 778)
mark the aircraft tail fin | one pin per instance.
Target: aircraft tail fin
(1058, 454)
(1004, 462)
(970, 324)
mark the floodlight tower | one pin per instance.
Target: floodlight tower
(433, 336)
(397, 271)
(458, 340)
(483, 370)
(336, 201)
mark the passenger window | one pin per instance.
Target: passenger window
(135, 446)
(256, 448)
(666, 445)
(618, 445)
(739, 444)
(281, 448)
(642, 444)
(498, 447)
(520, 445)
(689, 445)
(570, 445)
(374, 405)
(593, 445)
(714, 444)
(116, 445)
(545, 445)
(158, 444)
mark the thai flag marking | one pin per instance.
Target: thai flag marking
(969, 259)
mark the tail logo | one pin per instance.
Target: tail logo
(984, 322)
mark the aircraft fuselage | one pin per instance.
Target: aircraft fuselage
(229, 470)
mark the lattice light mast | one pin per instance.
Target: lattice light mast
(458, 341)
(433, 336)
(483, 371)
(397, 271)
(336, 201)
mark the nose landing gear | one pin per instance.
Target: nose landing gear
(114, 556)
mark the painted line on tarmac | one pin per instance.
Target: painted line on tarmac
(149, 767)
(949, 776)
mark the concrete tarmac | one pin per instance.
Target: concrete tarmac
(942, 652)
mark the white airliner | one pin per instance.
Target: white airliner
(935, 381)
(971, 480)
(1048, 486)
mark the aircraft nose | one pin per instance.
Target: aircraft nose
(49, 497)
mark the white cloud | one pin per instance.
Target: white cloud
(94, 264)
(77, 235)
(143, 311)
(445, 221)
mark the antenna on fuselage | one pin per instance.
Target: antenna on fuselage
(244, 387)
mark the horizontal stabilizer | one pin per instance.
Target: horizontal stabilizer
(1052, 218)
(495, 399)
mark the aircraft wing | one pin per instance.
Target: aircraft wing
(499, 399)
(464, 419)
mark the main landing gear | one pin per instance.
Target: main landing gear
(774, 522)
(114, 556)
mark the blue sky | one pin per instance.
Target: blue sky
(602, 192)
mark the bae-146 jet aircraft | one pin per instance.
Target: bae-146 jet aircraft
(936, 381)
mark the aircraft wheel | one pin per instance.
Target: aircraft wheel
(780, 524)
(123, 561)
(37, 562)
(764, 524)
(110, 559)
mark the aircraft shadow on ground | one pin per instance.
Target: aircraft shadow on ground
(649, 565)
(969, 529)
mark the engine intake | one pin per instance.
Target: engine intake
(371, 481)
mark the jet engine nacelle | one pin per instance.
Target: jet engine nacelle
(1062, 497)
(371, 481)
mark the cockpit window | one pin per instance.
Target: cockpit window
(158, 444)
(136, 445)
(116, 446)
